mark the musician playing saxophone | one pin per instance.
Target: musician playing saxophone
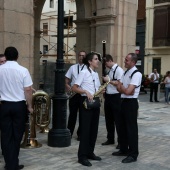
(74, 102)
(86, 84)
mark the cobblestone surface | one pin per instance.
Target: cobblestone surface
(154, 141)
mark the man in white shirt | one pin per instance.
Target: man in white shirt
(112, 101)
(2, 61)
(154, 78)
(74, 102)
(16, 96)
(129, 87)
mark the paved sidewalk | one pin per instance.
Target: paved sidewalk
(154, 141)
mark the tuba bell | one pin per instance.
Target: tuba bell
(40, 117)
(41, 106)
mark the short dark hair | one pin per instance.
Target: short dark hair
(108, 57)
(89, 57)
(11, 53)
(82, 52)
(134, 57)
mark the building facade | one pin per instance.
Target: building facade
(48, 26)
(97, 20)
(157, 46)
(140, 34)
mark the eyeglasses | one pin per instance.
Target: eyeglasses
(81, 55)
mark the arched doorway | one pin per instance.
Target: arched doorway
(97, 20)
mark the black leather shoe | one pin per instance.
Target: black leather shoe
(156, 101)
(108, 142)
(151, 101)
(84, 162)
(129, 159)
(94, 157)
(19, 167)
(118, 146)
(119, 153)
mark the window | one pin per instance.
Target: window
(68, 22)
(45, 49)
(51, 3)
(45, 28)
(157, 64)
(161, 32)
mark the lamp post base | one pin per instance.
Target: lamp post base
(59, 138)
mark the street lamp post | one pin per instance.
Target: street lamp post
(59, 135)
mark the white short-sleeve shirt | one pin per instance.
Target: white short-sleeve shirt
(74, 71)
(155, 78)
(13, 79)
(135, 80)
(89, 81)
(110, 89)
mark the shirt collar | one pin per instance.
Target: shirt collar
(114, 67)
(132, 69)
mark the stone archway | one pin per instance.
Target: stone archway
(20, 28)
(38, 6)
(97, 20)
(110, 20)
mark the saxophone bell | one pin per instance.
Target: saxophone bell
(96, 99)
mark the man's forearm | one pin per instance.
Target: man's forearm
(28, 96)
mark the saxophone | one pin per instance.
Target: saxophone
(96, 94)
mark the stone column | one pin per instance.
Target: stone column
(105, 31)
(38, 5)
(83, 35)
(125, 27)
(16, 29)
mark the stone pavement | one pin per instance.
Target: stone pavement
(154, 141)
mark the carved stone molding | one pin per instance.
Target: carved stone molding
(102, 20)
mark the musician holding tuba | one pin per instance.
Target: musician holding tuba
(15, 91)
(112, 101)
(87, 84)
(74, 99)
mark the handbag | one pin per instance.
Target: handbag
(92, 104)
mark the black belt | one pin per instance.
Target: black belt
(3, 101)
(113, 94)
(128, 99)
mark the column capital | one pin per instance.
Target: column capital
(103, 20)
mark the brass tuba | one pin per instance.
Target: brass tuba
(40, 117)
(30, 140)
(41, 106)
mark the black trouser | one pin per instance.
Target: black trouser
(129, 127)
(0, 126)
(74, 107)
(89, 131)
(112, 115)
(12, 121)
(153, 88)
